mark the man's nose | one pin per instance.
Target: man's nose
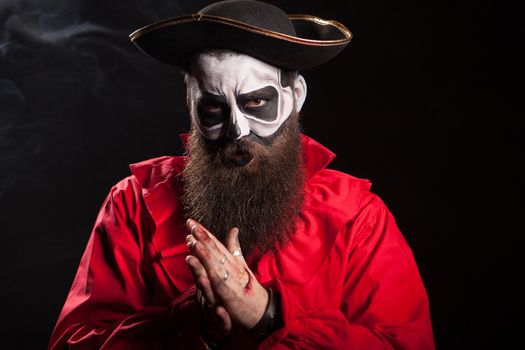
(239, 126)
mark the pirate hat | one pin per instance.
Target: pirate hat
(254, 28)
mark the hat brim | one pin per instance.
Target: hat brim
(174, 40)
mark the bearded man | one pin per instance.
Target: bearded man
(283, 253)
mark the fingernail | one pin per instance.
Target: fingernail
(236, 234)
(188, 258)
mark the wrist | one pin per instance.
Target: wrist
(270, 320)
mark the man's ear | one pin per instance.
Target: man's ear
(299, 92)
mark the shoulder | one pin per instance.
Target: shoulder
(341, 191)
(137, 201)
(147, 177)
(152, 172)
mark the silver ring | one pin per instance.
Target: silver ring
(236, 253)
(223, 260)
(225, 277)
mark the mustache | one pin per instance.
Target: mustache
(238, 153)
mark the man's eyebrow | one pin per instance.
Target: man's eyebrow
(208, 96)
(267, 92)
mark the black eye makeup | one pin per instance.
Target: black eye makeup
(261, 104)
(212, 109)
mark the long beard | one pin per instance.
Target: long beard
(262, 198)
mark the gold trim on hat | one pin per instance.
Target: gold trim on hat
(224, 20)
(325, 22)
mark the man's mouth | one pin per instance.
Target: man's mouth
(240, 152)
(240, 157)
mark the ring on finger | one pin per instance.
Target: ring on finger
(225, 276)
(223, 260)
(236, 252)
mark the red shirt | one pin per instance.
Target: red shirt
(347, 278)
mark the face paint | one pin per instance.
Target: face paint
(232, 94)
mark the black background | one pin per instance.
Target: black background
(425, 102)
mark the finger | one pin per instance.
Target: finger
(233, 245)
(191, 224)
(200, 298)
(201, 278)
(224, 317)
(190, 242)
(217, 273)
(211, 262)
(217, 268)
(223, 284)
(218, 243)
(238, 271)
(207, 291)
(217, 323)
(204, 236)
(196, 268)
(208, 260)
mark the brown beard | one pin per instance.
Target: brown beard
(262, 198)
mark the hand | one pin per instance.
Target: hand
(243, 297)
(217, 323)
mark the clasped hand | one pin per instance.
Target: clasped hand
(228, 288)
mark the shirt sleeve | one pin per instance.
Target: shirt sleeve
(383, 305)
(109, 304)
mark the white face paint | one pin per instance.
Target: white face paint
(232, 94)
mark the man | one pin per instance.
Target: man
(249, 241)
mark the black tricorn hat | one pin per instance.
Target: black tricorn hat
(254, 28)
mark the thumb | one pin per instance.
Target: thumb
(233, 244)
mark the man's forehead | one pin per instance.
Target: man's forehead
(234, 70)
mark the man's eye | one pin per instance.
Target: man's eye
(255, 103)
(211, 108)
